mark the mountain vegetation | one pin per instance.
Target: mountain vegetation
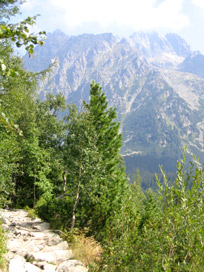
(71, 172)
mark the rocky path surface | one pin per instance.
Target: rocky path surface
(34, 247)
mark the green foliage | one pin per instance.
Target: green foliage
(13, 92)
(31, 212)
(2, 247)
(17, 33)
(113, 178)
(30, 132)
(88, 159)
(83, 163)
(40, 152)
(71, 171)
(109, 139)
(55, 211)
(119, 245)
(162, 232)
(182, 227)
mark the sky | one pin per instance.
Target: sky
(121, 17)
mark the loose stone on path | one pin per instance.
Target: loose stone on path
(33, 247)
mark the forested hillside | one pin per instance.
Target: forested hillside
(71, 172)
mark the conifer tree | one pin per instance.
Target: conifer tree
(109, 141)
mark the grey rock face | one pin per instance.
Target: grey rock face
(178, 44)
(33, 247)
(44, 54)
(193, 64)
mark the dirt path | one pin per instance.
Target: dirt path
(34, 247)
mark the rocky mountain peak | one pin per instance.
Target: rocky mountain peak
(178, 44)
(161, 51)
(150, 44)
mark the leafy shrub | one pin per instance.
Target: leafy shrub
(165, 233)
(56, 211)
(31, 212)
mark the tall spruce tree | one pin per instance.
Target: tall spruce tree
(109, 141)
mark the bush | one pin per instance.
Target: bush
(166, 233)
(55, 211)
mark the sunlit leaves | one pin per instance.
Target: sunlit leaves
(18, 33)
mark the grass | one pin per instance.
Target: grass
(85, 249)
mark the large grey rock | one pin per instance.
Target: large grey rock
(17, 264)
(31, 268)
(71, 266)
(61, 246)
(5, 221)
(49, 268)
(54, 239)
(48, 257)
(53, 257)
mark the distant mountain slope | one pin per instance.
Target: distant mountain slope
(162, 51)
(179, 45)
(159, 105)
(44, 54)
(194, 64)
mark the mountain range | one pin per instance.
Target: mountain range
(155, 82)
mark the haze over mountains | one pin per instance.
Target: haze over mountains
(156, 83)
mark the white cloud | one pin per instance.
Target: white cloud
(139, 14)
(136, 14)
(199, 3)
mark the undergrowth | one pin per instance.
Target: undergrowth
(31, 212)
(86, 249)
(2, 248)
